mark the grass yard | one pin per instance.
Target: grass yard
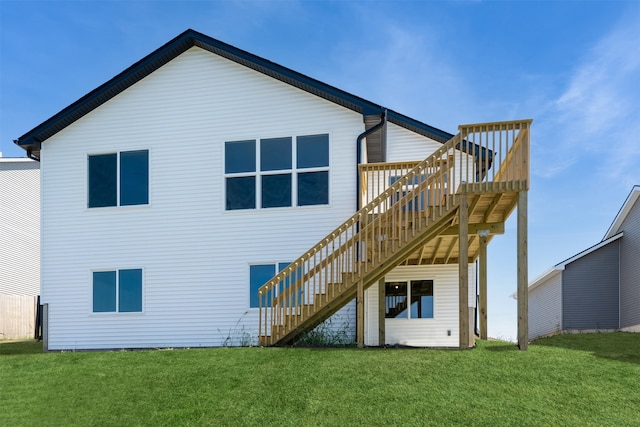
(566, 380)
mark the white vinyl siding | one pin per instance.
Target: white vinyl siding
(405, 146)
(19, 226)
(545, 307)
(422, 332)
(194, 253)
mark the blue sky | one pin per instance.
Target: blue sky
(574, 67)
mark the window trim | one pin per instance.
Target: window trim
(118, 204)
(294, 172)
(408, 282)
(117, 312)
(278, 265)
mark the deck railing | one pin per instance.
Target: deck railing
(401, 201)
(484, 154)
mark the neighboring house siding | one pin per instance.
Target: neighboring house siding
(19, 227)
(590, 292)
(630, 269)
(545, 307)
(422, 332)
(195, 255)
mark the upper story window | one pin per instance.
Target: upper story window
(118, 179)
(277, 172)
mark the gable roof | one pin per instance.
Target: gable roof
(31, 141)
(612, 234)
(556, 269)
(624, 211)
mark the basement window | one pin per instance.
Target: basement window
(409, 300)
(259, 274)
(118, 291)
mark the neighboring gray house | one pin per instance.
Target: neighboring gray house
(19, 245)
(597, 289)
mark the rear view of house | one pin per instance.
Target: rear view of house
(597, 289)
(206, 196)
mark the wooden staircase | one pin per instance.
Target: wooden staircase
(409, 210)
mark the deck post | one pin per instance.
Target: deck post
(360, 315)
(381, 312)
(463, 269)
(483, 284)
(523, 293)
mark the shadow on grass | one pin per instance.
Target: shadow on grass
(500, 346)
(621, 346)
(20, 347)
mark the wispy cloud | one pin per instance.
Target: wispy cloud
(407, 69)
(599, 112)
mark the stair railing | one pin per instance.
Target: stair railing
(405, 204)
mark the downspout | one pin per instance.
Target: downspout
(29, 151)
(383, 121)
(31, 156)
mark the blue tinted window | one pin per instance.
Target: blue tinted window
(134, 177)
(241, 193)
(275, 154)
(130, 290)
(312, 151)
(290, 281)
(422, 299)
(103, 180)
(104, 291)
(240, 156)
(313, 188)
(276, 190)
(259, 275)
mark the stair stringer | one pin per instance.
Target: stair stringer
(370, 277)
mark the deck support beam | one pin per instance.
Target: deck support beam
(483, 284)
(381, 312)
(360, 315)
(463, 270)
(523, 293)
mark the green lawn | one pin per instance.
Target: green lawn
(566, 380)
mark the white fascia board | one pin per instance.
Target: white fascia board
(624, 211)
(558, 268)
(589, 250)
(16, 160)
(553, 271)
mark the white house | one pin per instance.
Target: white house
(597, 289)
(19, 246)
(174, 191)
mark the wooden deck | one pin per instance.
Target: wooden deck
(442, 210)
(487, 211)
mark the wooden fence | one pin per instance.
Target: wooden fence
(17, 316)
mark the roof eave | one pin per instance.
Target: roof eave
(553, 271)
(563, 265)
(31, 141)
(623, 212)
